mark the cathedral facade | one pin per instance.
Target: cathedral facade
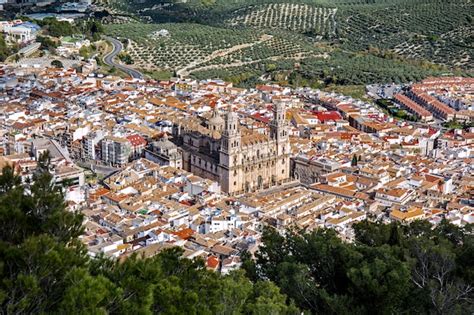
(238, 158)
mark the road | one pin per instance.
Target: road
(117, 47)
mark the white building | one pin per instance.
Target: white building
(20, 33)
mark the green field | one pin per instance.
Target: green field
(343, 42)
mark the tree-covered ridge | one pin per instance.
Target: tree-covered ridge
(6, 50)
(315, 42)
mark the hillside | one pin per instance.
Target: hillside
(426, 37)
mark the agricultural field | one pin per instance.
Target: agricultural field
(290, 16)
(185, 48)
(333, 69)
(440, 32)
(342, 42)
(184, 44)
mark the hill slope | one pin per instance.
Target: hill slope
(411, 33)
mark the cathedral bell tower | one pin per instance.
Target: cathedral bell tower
(278, 126)
(231, 134)
(279, 134)
(230, 154)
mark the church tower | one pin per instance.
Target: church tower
(231, 133)
(279, 134)
(229, 157)
(278, 126)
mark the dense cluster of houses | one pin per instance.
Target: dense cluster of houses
(122, 146)
(445, 98)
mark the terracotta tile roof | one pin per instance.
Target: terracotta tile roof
(212, 262)
(136, 140)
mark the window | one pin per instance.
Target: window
(235, 183)
(283, 171)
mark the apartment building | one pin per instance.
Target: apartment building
(91, 144)
(116, 151)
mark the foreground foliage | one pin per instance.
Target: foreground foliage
(46, 270)
(389, 269)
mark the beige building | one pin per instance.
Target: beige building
(239, 159)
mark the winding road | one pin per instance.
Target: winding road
(117, 47)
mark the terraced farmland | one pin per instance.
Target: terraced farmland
(330, 41)
(185, 43)
(290, 16)
(186, 47)
(437, 31)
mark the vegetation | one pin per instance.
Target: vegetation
(45, 268)
(4, 50)
(429, 30)
(389, 269)
(87, 52)
(341, 42)
(395, 110)
(57, 63)
(55, 28)
(355, 91)
(314, 20)
(455, 124)
(124, 57)
(47, 43)
(160, 75)
(338, 68)
(242, 56)
(187, 43)
(90, 28)
(354, 160)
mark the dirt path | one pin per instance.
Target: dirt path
(297, 57)
(183, 72)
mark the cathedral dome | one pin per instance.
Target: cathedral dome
(215, 134)
(216, 121)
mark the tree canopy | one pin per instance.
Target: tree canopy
(45, 269)
(390, 268)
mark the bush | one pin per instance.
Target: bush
(57, 64)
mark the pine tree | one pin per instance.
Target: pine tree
(45, 269)
(354, 160)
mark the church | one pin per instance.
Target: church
(240, 159)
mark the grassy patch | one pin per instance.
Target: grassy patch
(159, 75)
(355, 91)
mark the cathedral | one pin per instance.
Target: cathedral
(238, 158)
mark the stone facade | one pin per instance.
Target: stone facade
(239, 159)
(164, 152)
